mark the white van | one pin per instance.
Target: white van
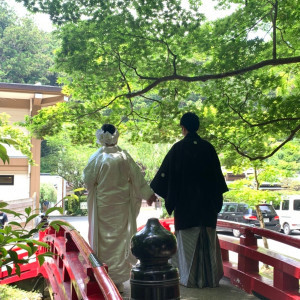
(289, 213)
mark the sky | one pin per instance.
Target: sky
(44, 23)
(41, 20)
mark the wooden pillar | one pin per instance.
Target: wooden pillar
(35, 172)
(36, 153)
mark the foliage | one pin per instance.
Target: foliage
(148, 156)
(72, 205)
(15, 137)
(15, 234)
(9, 292)
(48, 192)
(61, 157)
(7, 17)
(287, 160)
(141, 65)
(26, 53)
(241, 191)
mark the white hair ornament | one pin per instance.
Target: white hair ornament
(106, 138)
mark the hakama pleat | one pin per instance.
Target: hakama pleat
(198, 257)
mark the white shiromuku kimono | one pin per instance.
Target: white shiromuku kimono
(116, 187)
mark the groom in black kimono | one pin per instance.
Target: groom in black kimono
(191, 182)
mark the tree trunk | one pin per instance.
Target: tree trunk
(262, 225)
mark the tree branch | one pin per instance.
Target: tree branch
(151, 99)
(100, 108)
(274, 19)
(261, 157)
(203, 78)
(282, 38)
(257, 124)
(122, 73)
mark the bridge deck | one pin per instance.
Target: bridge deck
(226, 291)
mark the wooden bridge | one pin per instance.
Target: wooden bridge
(74, 272)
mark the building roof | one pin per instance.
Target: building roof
(19, 95)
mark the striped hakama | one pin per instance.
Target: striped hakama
(198, 257)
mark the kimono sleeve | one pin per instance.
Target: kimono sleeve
(160, 182)
(219, 181)
(141, 188)
(91, 170)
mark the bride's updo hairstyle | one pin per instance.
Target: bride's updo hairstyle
(108, 135)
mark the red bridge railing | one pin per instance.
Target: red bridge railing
(245, 274)
(73, 273)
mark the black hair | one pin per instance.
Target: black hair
(190, 121)
(108, 127)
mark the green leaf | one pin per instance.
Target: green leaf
(9, 270)
(15, 223)
(17, 239)
(41, 259)
(40, 225)
(31, 218)
(7, 229)
(52, 209)
(39, 243)
(3, 204)
(3, 252)
(13, 255)
(3, 154)
(58, 222)
(28, 210)
(8, 211)
(26, 247)
(55, 227)
(18, 269)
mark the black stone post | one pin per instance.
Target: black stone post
(154, 278)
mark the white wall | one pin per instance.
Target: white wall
(58, 182)
(20, 189)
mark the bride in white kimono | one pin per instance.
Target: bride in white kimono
(116, 188)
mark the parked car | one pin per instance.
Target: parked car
(242, 213)
(289, 214)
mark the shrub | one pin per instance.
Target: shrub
(48, 192)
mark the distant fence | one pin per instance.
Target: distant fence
(19, 206)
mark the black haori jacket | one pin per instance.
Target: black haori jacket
(191, 182)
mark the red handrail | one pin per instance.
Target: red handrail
(246, 274)
(74, 272)
(77, 272)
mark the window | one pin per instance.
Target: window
(230, 208)
(285, 204)
(6, 179)
(297, 204)
(243, 208)
(267, 209)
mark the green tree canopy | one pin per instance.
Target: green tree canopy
(60, 157)
(140, 65)
(13, 136)
(26, 53)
